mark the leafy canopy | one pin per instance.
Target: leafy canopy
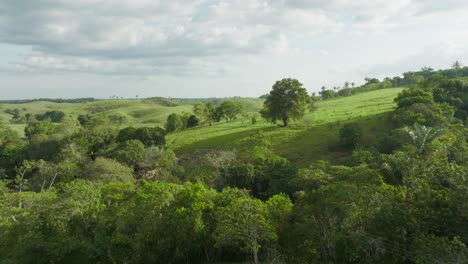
(287, 100)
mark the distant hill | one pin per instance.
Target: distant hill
(141, 112)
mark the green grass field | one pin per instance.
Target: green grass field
(145, 112)
(311, 138)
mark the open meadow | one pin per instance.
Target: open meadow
(313, 137)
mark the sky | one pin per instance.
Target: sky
(218, 48)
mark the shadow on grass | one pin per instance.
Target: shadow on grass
(224, 141)
(298, 143)
(322, 142)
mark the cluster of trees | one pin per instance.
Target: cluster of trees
(150, 222)
(20, 116)
(54, 116)
(87, 191)
(204, 114)
(411, 78)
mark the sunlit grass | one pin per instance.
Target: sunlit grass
(314, 137)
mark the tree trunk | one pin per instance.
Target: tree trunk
(285, 121)
(255, 253)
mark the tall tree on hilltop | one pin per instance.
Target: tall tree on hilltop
(287, 100)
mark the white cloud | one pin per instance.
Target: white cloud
(206, 38)
(75, 35)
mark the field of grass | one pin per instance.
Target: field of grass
(312, 138)
(145, 112)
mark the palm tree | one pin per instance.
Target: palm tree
(457, 66)
(422, 135)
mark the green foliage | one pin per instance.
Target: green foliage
(201, 111)
(287, 100)
(350, 134)
(38, 128)
(454, 93)
(95, 136)
(229, 110)
(83, 119)
(159, 163)
(54, 116)
(125, 134)
(244, 224)
(154, 136)
(264, 178)
(418, 106)
(129, 152)
(422, 135)
(106, 171)
(192, 121)
(174, 123)
(149, 136)
(410, 97)
(328, 94)
(97, 193)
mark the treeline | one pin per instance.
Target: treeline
(94, 192)
(52, 100)
(410, 78)
(208, 113)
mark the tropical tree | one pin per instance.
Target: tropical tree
(457, 66)
(422, 135)
(287, 100)
(244, 223)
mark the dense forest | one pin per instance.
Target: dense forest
(89, 189)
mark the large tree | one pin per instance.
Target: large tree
(244, 224)
(230, 110)
(287, 100)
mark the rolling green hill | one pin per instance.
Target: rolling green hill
(145, 112)
(311, 138)
(314, 137)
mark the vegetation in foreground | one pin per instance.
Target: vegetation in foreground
(376, 177)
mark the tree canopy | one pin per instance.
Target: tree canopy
(287, 100)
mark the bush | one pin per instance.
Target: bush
(54, 116)
(350, 134)
(192, 121)
(149, 136)
(174, 123)
(106, 171)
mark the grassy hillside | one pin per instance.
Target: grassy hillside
(145, 112)
(314, 137)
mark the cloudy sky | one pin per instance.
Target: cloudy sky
(217, 48)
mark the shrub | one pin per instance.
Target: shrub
(350, 134)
